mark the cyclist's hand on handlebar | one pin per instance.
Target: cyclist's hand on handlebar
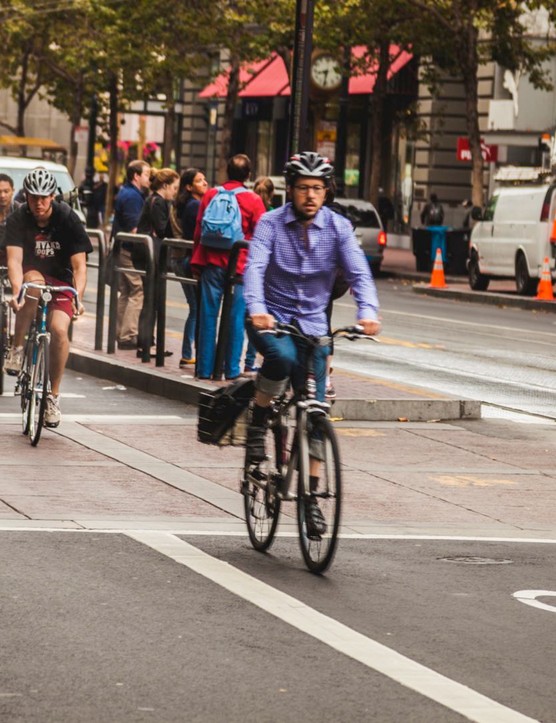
(262, 322)
(371, 327)
(78, 309)
(16, 303)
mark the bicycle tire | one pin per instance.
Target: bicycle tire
(40, 385)
(23, 385)
(318, 551)
(261, 501)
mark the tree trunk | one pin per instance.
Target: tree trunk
(226, 134)
(378, 101)
(169, 135)
(470, 66)
(75, 121)
(113, 131)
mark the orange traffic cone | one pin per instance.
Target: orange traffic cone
(437, 277)
(544, 289)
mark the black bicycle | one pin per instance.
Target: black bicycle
(33, 380)
(5, 323)
(298, 431)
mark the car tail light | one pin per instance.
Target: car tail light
(553, 232)
(382, 238)
(545, 210)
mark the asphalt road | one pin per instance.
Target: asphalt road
(150, 623)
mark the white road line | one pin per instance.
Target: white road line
(452, 695)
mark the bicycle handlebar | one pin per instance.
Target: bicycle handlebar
(351, 333)
(45, 287)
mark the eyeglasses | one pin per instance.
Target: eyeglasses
(315, 189)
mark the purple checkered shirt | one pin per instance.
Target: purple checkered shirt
(291, 281)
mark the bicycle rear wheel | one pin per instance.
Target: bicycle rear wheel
(261, 502)
(318, 549)
(39, 388)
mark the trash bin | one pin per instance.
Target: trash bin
(438, 241)
(457, 246)
(421, 245)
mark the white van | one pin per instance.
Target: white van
(514, 235)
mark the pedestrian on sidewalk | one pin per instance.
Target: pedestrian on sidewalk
(127, 212)
(211, 264)
(159, 221)
(192, 188)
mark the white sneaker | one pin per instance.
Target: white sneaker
(52, 413)
(14, 361)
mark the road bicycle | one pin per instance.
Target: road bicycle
(5, 323)
(33, 380)
(298, 427)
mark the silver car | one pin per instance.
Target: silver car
(368, 229)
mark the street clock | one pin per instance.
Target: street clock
(326, 74)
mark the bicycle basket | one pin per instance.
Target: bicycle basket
(220, 410)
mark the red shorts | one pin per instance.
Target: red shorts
(61, 300)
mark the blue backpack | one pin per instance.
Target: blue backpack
(221, 222)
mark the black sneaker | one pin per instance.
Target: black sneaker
(314, 519)
(255, 449)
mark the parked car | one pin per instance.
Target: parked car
(18, 168)
(368, 229)
(514, 234)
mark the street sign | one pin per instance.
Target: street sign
(463, 152)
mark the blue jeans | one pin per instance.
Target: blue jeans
(213, 281)
(182, 267)
(285, 358)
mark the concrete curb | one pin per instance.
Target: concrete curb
(370, 410)
(484, 297)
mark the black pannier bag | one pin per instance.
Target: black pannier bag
(223, 411)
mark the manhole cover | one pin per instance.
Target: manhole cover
(473, 560)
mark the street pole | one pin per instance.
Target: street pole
(299, 139)
(92, 220)
(342, 130)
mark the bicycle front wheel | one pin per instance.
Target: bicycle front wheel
(319, 542)
(260, 495)
(39, 388)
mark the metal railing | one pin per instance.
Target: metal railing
(155, 277)
(102, 246)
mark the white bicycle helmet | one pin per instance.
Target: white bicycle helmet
(40, 182)
(308, 163)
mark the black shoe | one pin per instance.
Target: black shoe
(255, 450)
(314, 519)
(127, 345)
(152, 353)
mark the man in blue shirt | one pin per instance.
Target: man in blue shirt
(292, 263)
(127, 211)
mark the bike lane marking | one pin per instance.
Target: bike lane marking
(529, 597)
(425, 681)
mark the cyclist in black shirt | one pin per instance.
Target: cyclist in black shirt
(46, 243)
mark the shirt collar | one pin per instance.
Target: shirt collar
(318, 221)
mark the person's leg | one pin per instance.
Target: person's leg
(58, 325)
(280, 358)
(130, 302)
(236, 334)
(190, 323)
(212, 289)
(23, 319)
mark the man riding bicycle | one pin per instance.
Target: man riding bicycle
(46, 243)
(292, 263)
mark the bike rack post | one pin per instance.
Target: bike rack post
(224, 326)
(148, 273)
(98, 234)
(163, 277)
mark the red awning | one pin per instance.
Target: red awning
(268, 78)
